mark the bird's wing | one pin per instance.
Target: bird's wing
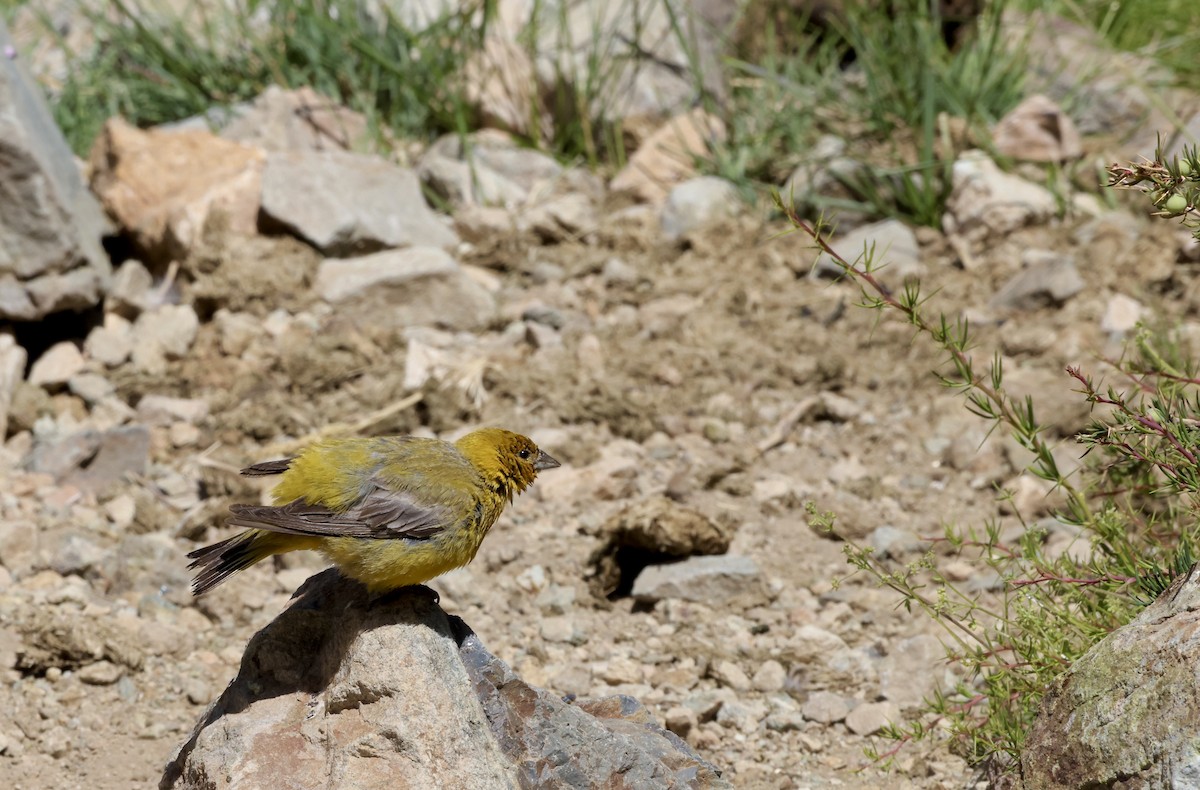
(268, 468)
(382, 513)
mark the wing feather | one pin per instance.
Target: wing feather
(382, 514)
(268, 468)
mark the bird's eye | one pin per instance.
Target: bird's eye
(524, 453)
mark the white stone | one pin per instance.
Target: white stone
(57, 365)
(871, 717)
(1121, 315)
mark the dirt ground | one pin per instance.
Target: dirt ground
(648, 369)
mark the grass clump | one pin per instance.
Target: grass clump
(884, 77)
(155, 67)
(417, 77)
(1135, 503)
(881, 76)
(1166, 30)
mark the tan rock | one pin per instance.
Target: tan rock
(164, 186)
(112, 343)
(730, 675)
(58, 364)
(156, 409)
(666, 158)
(1121, 315)
(502, 84)
(770, 677)
(1037, 130)
(871, 717)
(101, 673)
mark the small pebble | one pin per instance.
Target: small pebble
(196, 691)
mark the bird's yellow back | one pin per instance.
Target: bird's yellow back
(338, 473)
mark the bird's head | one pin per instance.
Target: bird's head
(508, 460)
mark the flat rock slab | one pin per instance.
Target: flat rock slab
(349, 204)
(418, 285)
(1048, 280)
(711, 580)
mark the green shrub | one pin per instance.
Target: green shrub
(1136, 502)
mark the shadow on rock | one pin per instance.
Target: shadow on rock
(342, 691)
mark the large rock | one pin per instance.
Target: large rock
(1048, 279)
(490, 169)
(349, 204)
(163, 186)
(1126, 714)
(51, 258)
(339, 691)
(892, 244)
(92, 460)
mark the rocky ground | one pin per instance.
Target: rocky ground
(684, 360)
(655, 371)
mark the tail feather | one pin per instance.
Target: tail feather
(268, 468)
(218, 562)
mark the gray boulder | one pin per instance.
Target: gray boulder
(51, 258)
(340, 691)
(349, 204)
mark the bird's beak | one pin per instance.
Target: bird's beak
(544, 462)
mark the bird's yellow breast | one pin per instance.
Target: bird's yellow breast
(390, 565)
(386, 564)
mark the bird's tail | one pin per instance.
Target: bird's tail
(216, 563)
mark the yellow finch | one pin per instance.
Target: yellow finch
(388, 511)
